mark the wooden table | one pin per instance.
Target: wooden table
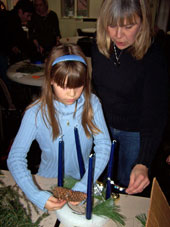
(130, 205)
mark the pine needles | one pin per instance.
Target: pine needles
(142, 218)
(12, 211)
(110, 210)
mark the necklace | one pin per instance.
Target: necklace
(117, 62)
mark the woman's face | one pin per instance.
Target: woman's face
(124, 36)
(66, 95)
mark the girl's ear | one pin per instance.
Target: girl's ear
(52, 82)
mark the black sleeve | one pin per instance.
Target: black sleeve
(154, 105)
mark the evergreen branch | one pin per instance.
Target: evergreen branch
(69, 182)
(12, 211)
(110, 210)
(142, 218)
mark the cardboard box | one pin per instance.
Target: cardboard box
(159, 210)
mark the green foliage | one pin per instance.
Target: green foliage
(142, 218)
(110, 210)
(105, 208)
(12, 211)
(28, 68)
(69, 182)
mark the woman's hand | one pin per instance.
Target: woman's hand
(54, 204)
(40, 49)
(138, 179)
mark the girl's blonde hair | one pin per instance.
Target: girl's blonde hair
(114, 12)
(76, 74)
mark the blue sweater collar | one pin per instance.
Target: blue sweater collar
(69, 109)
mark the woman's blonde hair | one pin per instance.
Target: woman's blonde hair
(114, 12)
(76, 74)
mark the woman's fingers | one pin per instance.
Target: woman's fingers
(138, 179)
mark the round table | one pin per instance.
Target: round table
(33, 79)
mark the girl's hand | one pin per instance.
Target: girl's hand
(138, 179)
(74, 203)
(54, 204)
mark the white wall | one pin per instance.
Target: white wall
(163, 14)
(68, 26)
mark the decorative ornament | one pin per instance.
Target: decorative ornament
(101, 206)
(68, 194)
(117, 57)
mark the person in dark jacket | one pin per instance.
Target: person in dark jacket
(130, 77)
(44, 31)
(13, 39)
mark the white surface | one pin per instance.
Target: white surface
(88, 30)
(25, 78)
(69, 219)
(130, 206)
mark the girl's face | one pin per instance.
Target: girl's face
(66, 95)
(124, 36)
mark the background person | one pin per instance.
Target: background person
(66, 102)
(130, 77)
(44, 29)
(14, 45)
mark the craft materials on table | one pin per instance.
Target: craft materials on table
(25, 72)
(29, 68)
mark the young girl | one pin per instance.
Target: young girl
(66, 102)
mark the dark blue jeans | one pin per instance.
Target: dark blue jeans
(128, 150)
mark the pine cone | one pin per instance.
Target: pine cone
(68, 194)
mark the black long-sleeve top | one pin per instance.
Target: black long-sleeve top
(12, 33)
(45, 29)
(134, 95)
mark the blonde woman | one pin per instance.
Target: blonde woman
(130, 77)
(66, 102)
